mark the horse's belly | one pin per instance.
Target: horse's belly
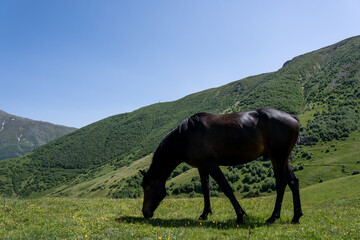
(226, 155)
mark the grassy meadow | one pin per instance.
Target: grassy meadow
(331, 211)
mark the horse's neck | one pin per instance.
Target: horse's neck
(162, 168)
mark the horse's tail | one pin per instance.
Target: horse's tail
(302, 140)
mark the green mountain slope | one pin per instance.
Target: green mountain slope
(322, 87)
(19, 136)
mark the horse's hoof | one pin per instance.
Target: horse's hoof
(295, 219)
(271, 220)
(240, 220)
(203, 217)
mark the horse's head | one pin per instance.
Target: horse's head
(154, 193)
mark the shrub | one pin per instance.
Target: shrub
(336, 124)
(252, 193)
(267, 185)
(246, 188)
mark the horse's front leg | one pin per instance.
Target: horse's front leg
(216, 173)
(204, 175)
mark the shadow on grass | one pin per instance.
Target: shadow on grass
(249, 222)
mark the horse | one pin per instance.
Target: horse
(207, 141)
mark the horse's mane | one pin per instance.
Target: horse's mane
(177, 134)
(189, 123)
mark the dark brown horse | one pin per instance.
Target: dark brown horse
(206, 141)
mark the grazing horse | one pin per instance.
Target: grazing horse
(206, 141)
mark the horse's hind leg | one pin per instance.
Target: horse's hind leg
(215, 172)
(293, 182)
(280, 178)
(204, 175)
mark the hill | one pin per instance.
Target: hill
(19, 136)
(321, 87)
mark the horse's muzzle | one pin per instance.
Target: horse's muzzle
(147, 214)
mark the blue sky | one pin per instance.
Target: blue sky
(74, 62)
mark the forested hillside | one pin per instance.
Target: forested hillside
(322, 87)
(19, 136)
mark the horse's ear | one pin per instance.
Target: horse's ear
(142, 172)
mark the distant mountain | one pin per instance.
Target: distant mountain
(322, 87)
(19, 136)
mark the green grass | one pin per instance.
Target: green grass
(331, 211)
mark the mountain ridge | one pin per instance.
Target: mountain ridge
(19, 135)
